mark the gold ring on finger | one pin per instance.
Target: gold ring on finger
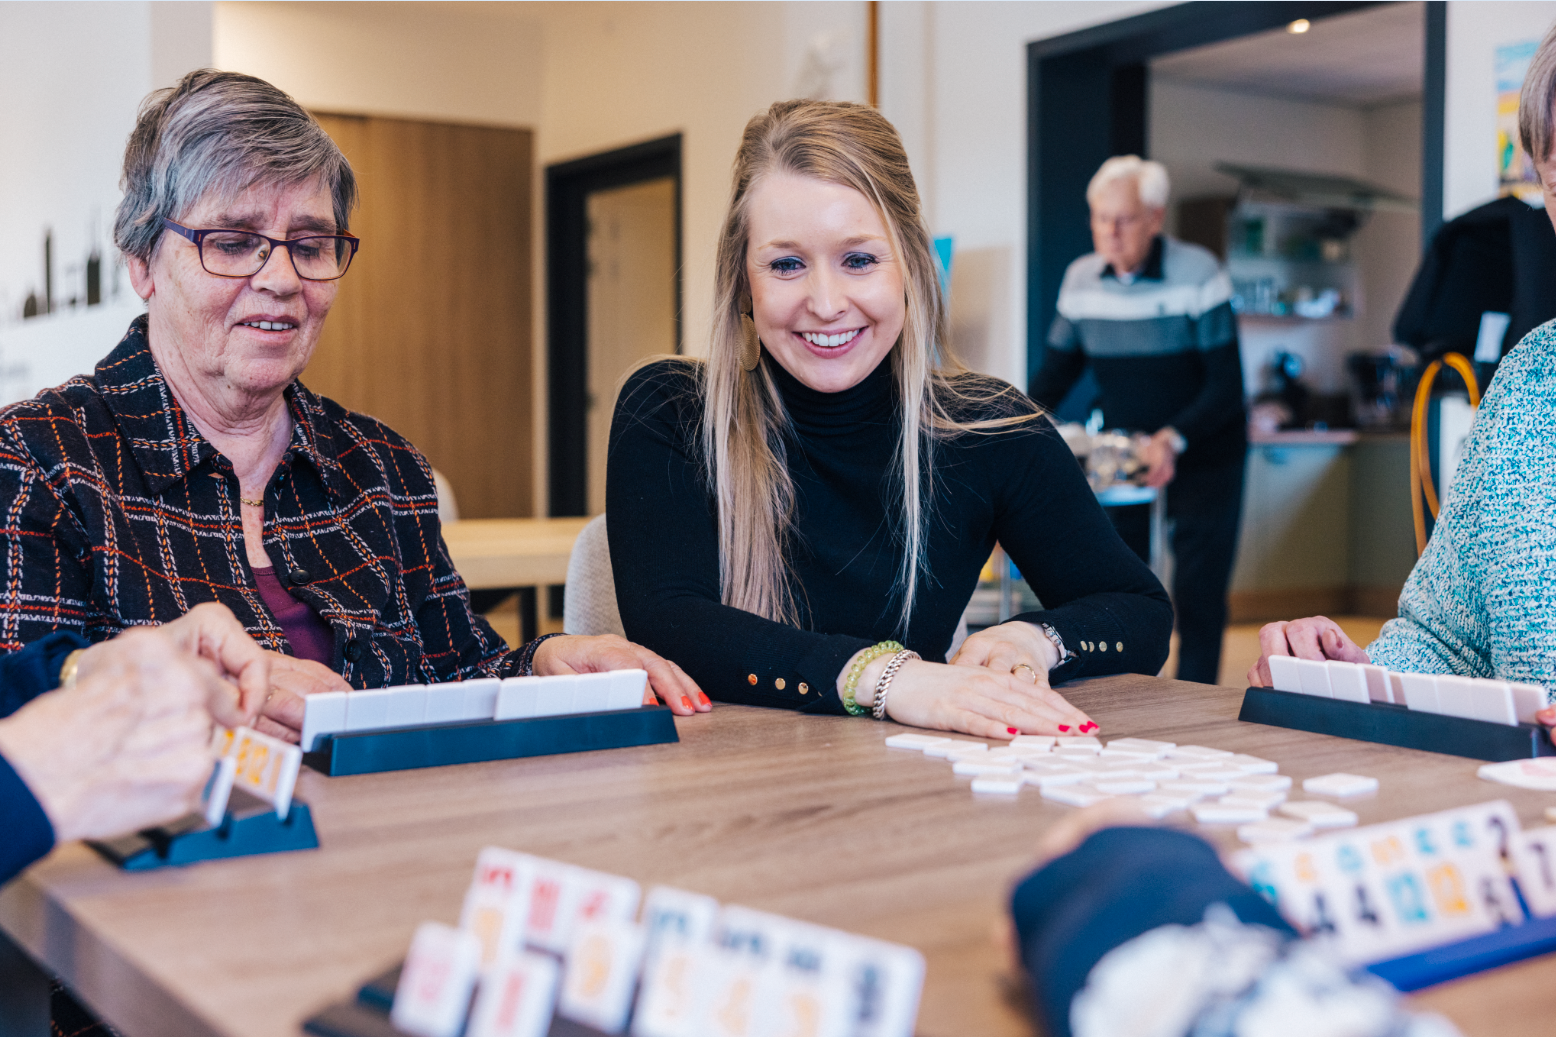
(1024, 666)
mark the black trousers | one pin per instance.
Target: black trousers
(1205, 509)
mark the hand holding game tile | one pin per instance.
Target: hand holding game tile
(292, 679)
(975, 700)
(573, 653)
(127, 747)
(1316, 637)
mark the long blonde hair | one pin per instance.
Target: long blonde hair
(745, 426)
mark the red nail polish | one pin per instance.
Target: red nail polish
(1064, 727)
(1012, 730)
(686, 703)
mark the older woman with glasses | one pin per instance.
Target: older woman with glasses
(193, 466)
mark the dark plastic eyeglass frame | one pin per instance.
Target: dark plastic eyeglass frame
(198, 237)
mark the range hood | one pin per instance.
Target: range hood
(1318, 190)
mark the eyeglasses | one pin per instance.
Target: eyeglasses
(242, 253)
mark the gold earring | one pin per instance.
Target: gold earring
(750, 343)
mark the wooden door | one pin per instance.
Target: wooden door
(431, 330)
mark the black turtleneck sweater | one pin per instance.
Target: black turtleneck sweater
(1020, 487)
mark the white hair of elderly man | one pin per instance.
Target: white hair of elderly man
(1150, 179)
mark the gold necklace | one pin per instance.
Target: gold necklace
(252, 503)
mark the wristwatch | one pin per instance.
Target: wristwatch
(1065, 655)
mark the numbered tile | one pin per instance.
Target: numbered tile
(955, 745)
(516, 998)
(1196, 753)
(1252, 764)
(918, 743)
(1528, 699)
(1273, 830)
(1534, 858)
(1196, 787)
(602, 974)
(592, 693)
(676, 990)
(601, 897)
(1319, 814)
(1420, 691)
(629, 689)
(1264, 800)
(368, 710)
(1074, 795)
(1123, 786)
(1009, 769)
(1347, 681)
(1538, 774)
(407, 706)
(1314, 676)
(1054, 779)
(497, 904)
(1340, 786)
(674, 917)
(265, 767)
(1221, 814)
(1493, 701)
(432, 997)
(218, 790)
(1159, 805)
(1378, 688)
(1284, 674)
(553, 905)
(1043, 742)
(1143, 745)
(1078, 742)
(998, 785)
(1263, 782)
(882, 983)
(518, 698)
(323, 714)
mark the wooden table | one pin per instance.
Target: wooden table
(521, 554)
(807, 816)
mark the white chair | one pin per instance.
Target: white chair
(589, 603)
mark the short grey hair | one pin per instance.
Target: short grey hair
(1535, 129)
(1150, 179)
(220, 132)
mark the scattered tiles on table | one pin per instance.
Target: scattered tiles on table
(1274, 829)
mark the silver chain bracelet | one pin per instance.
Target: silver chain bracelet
(883, 685)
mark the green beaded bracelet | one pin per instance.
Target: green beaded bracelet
(866, 657)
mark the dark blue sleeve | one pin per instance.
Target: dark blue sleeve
(26, 674)
(28, 834)
(1117, 885)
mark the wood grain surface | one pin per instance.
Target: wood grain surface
(811, 817)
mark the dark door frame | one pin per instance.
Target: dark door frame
(568, 186)
(1087, 99)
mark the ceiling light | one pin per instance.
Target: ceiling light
(1299, 26)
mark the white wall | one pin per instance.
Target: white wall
(459, 63)
(953, 79)
(74, 76)
(1389, 246)
(1475, 29)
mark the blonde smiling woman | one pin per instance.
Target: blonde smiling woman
(800, 520)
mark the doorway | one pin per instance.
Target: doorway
(614, 293)
(632, 300)
(1088, 98)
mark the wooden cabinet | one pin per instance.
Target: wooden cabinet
(1326, 530)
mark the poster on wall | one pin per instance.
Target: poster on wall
(1515, 172)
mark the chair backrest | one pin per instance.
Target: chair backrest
(589, 603)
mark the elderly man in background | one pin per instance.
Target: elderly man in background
(1152, 317)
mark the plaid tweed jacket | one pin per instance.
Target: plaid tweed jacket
(117, 513)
